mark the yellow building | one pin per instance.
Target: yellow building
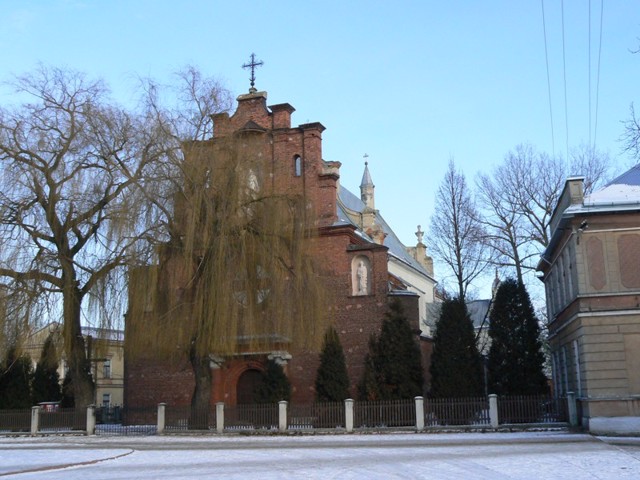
(105, 350)
(592, 280)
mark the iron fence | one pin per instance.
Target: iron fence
(464, 412)
(63, 420)
(251, 417)
(384, 413)
(316, 415)
(187, 418)
(472, 411)
(531, 409)
(13, 421)
(127, 421)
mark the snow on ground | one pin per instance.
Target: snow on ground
(541, 455)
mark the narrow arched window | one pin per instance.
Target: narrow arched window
(297, 166)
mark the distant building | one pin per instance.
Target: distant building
(591, 272)
(105, 352)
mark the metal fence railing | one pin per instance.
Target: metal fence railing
(186, 418)
(251, 417)
(531, 409)
(385, 413)
(14, 421)
(126, 421)
(472, 411)
(63, 420)
(316, 415)
(418, 413)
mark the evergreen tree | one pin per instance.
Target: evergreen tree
(456, 365)
(15, 381)
(332, 379)
(394, 367)
(46, 380)
(275, 385)
(368, 388)
(68, 399)
(516, 361)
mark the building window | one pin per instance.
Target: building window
(106, 368)
(106, 399)
(565, 370)
(297, 166)
(576, 359)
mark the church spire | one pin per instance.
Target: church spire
(367, 187)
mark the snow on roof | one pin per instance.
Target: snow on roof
(623, 190)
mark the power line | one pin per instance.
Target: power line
(546, 58)
(564, 72)
(589, 73)
(595, 128)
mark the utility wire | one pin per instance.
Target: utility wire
(595, 128)
(589, 29)
(564, 71)
(546, 58)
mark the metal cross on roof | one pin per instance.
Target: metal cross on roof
(252, 65)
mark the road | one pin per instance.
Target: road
(542, 455)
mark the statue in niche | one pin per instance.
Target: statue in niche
(362, 278)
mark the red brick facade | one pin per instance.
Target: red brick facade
(293, 164)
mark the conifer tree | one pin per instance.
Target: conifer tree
(394, 368)
(456, 364)
(332, 379)
(46, 380)
(369, 386)
(275, 385)
(68, 399)
(15, 381)
(515, 360)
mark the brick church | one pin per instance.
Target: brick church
(366, 266)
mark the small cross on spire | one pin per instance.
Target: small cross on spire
(252, 65)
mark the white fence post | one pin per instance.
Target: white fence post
(572, 409)
(161, 417)
(35, 420)
(493, 410)
(220, 417)
(419, 413)
(282, 415)
(348, 414)
(91, 420)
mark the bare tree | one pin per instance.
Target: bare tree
(519, 196)
(594, 165)
(70, 207)
(456, 231)
(506, 232)
(631, 135)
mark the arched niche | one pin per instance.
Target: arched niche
(360, 275)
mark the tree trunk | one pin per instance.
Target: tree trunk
(201, 398)
(79, 368)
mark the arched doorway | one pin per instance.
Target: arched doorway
(246, 386)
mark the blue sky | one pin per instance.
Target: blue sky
(410, 83)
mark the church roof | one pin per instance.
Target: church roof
(347, 201)
(366, 177)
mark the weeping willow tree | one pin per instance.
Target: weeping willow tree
(73, 214)
(236, 275)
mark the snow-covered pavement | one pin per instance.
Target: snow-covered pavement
(541, 455)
